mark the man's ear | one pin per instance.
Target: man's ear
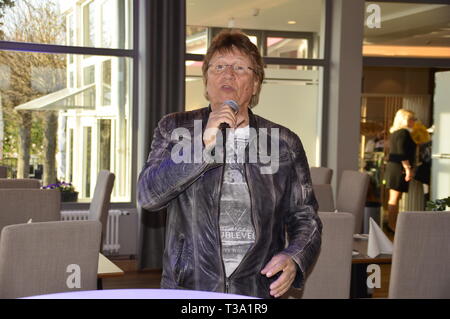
(255, 86)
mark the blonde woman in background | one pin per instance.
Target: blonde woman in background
(399, 169)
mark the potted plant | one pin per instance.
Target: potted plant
(68, 193)
(438, 204)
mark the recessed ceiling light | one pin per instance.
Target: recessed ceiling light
(292, 22)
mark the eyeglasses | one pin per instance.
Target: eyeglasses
(238, 69)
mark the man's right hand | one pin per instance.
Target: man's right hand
(219, 115)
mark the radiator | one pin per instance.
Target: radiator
(111, 244)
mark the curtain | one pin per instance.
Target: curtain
(161, 62)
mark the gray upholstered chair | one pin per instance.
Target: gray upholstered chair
(99, 207)
(44, 258)
(3, 171)
(352, 194)
(330, 277)
(421, 258)
(324, 196)
(321, 175)
(19, 183)
(18, 206)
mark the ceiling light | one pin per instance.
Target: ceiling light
(231, 23)
(292, 22)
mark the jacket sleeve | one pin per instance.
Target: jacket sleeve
(303, 225)
(162, 179)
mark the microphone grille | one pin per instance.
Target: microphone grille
(233, 104)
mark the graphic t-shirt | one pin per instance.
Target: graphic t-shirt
(236, 227)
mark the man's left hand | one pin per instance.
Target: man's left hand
(284, 263)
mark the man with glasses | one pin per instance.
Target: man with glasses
(232, 227)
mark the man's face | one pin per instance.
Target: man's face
(229, 84)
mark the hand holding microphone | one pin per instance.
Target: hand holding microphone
(220, 119)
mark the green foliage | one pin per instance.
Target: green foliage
(438, 204)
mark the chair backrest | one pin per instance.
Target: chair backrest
(3, 171)
(321, 175)
(330, 276)
(99, 207)
(352, 195)
(421, 258)
(18, 206)
(324, 196)
(51, 257)
(19, 183)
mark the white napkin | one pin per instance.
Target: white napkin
(378, 241)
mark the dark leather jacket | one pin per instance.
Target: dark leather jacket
(281, 204)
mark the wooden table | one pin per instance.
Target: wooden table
(360, 245)
(358, 286)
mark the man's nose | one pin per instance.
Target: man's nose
(229, 71)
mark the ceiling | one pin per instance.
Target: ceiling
(401, 23)
(411, 24)
(256, 14)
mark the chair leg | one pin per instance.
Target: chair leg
(392, 217)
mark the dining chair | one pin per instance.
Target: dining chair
(99, 207)
(352, 195)
(421, 257)
(330, 276)
(3, 171)
(19, 183)
(321, 175)
(49, 257)
(324, 197)
(18, 206)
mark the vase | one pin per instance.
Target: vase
(69, 197)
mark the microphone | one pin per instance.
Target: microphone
(235, 107)
(223, 126)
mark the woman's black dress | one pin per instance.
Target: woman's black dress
(402, 148)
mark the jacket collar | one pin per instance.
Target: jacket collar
(252, 118)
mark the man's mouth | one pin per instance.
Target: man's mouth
(227, 87)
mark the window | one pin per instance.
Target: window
(89, 78)
(89, 24)
(105, 145)
(70, 156)
(88, 87)
(87, 160)
(107, 24)
(106, 82)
